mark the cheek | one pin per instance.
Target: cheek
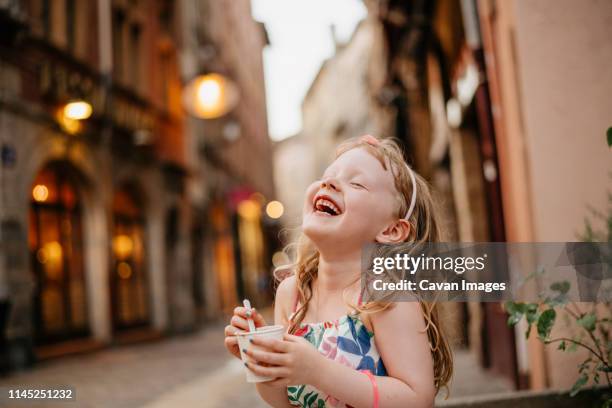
(310, 193)
(371, 209)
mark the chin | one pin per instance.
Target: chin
(338, 233)
(320, 229)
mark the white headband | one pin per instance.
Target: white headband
(414, 193)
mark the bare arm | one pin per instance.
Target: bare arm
(404, 347)
(402, 343)
(276, 395)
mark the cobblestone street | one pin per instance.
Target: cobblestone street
(185, 371)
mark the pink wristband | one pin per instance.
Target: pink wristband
(374, 386)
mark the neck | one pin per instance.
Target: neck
(336, 273)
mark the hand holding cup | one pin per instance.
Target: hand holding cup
(238, 323)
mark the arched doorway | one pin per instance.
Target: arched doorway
(56, 249)
(128, 277)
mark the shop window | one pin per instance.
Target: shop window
(55, 242)
(129, 287)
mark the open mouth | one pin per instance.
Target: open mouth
(324, 205)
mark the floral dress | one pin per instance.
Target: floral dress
(345, 340)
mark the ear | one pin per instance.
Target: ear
(395, 232)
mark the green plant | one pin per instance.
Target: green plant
(593, 332)
(591, 327)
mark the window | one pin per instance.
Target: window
(130, 297)
(55, 242)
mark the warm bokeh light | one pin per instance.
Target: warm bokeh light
(40, 193)
(54, 251)
(209, 93)
(210, 96)
(50, 255)
(275, 209)
(124, 270)
(248, 209)
(77, 110)
(123, 246)
(71, 126)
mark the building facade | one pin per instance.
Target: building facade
(113, 226)
(494, 95)
(503, 107)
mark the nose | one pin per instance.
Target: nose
(330, 183)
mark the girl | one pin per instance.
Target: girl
(391, 354)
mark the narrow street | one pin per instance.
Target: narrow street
(185, 371)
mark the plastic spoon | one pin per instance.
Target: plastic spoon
(250, 321)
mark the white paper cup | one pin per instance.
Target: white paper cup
(268, 332)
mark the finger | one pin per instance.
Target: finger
(240, 311)
(273, 372)
(231, 341)
(272, 344)
(261, 356)
(257, 318)
(250, 313)
(239, 322)
(230, 330)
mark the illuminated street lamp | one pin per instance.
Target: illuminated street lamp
(210, 96)
(77, 110)
(71, 115)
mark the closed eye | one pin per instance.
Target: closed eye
(358, 185)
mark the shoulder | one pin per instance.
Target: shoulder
(287, 288)
(286, 293)
(405, 314)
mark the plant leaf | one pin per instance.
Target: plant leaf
(561, 345)
(609, 132)
(588, 321)
(545, 323)
(561, 287)
(531, 313)
(515, 312)
(582, 380)
(605, 369)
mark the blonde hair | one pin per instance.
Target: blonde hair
(425, 227)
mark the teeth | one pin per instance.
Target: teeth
(328, 204)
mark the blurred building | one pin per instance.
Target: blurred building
(503, 107)
(121, 217)
(338, 104)
(231, 156)
(494, 96)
